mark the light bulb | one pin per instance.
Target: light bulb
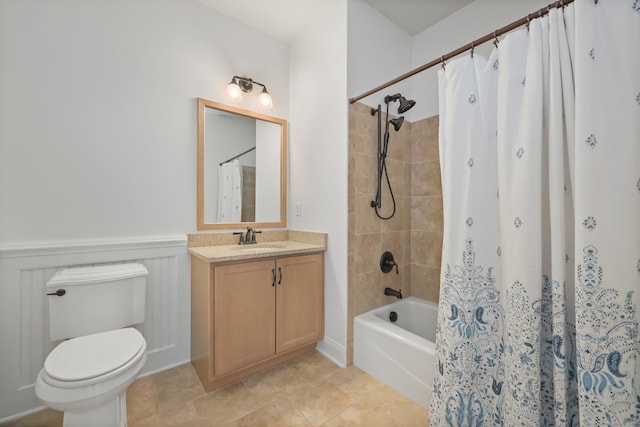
(264, 99)
(233, 91)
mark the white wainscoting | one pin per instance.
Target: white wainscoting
(24, 327)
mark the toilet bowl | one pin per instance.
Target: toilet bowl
(87, 376)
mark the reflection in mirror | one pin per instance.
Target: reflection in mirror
(241, 168)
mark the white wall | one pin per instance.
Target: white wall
(268, 154)
(98, 111)
(319, 156)
(378, 51)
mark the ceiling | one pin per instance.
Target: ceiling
(414, 16)
(411, 15)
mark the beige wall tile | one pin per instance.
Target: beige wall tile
(426, 213)
(366, 293)
(365, 221)
(362, 129)
(426, 248)
(367, 251)
(425, 282)
(425, 177)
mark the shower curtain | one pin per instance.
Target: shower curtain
(229, 192)
(540, 161)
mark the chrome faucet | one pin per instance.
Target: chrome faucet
(248, 238)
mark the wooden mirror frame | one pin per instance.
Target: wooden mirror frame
(202, 225)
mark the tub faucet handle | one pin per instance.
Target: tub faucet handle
(387, 263)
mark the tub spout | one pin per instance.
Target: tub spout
(393, 292)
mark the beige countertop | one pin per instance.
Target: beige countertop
(221, 253)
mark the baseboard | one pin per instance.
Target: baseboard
(333, 351)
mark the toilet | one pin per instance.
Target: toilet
(92, 311)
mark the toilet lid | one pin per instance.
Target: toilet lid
(94, 355)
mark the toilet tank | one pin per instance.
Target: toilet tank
(96, 299)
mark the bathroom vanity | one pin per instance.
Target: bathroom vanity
(253, 307)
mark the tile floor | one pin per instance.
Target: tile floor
(309, 391)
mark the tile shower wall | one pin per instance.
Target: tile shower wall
(413, 235)
(426, 210)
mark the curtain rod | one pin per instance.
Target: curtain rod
(492, 36)
(239, 155)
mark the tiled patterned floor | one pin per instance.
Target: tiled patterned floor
(309, 391)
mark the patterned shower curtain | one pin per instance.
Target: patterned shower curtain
(230, 192)
(540, 161)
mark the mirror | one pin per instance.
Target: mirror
(242, 158)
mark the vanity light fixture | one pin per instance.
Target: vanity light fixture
(245, 84)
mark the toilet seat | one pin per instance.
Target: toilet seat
(93, 358)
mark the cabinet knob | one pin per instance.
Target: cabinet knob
(273, 271)
(280, 271)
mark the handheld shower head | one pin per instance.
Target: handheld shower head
(397, 123)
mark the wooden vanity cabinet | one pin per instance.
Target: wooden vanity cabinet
(249, 315)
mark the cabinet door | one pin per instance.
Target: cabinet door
(244, 315)
(299, 301)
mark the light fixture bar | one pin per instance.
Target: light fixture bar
(245, 84)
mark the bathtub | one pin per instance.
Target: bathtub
(400, 354)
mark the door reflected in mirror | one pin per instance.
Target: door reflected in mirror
(241, 168)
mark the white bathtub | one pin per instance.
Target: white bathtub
(400, 354)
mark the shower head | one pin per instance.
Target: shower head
(405, 105)
(397, 123)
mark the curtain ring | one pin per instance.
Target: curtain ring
(528, 22)
(472, 49)
(495, 38)
(443, 63)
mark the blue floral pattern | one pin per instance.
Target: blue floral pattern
(590, 223)
(468, 380)
(488, 374)
(607, 348)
